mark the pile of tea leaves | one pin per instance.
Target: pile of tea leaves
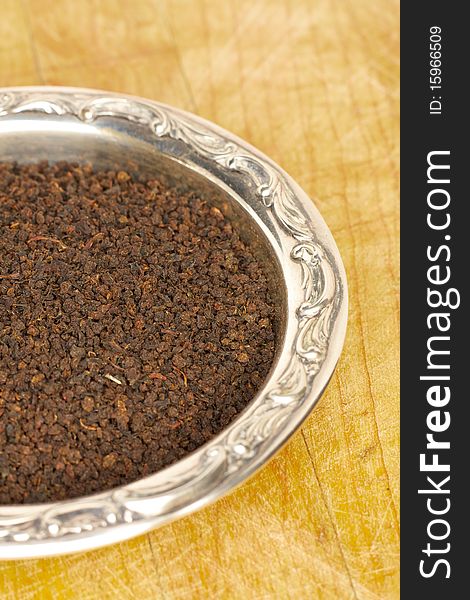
(135, 324)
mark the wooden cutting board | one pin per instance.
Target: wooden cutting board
(314, 84)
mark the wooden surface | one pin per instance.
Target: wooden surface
(314, 84)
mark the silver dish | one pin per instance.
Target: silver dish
(283, 225)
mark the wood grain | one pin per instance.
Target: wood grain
(314, 84)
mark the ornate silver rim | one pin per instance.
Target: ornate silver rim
(316, 326)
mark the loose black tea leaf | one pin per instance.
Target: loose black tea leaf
(135, 324)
